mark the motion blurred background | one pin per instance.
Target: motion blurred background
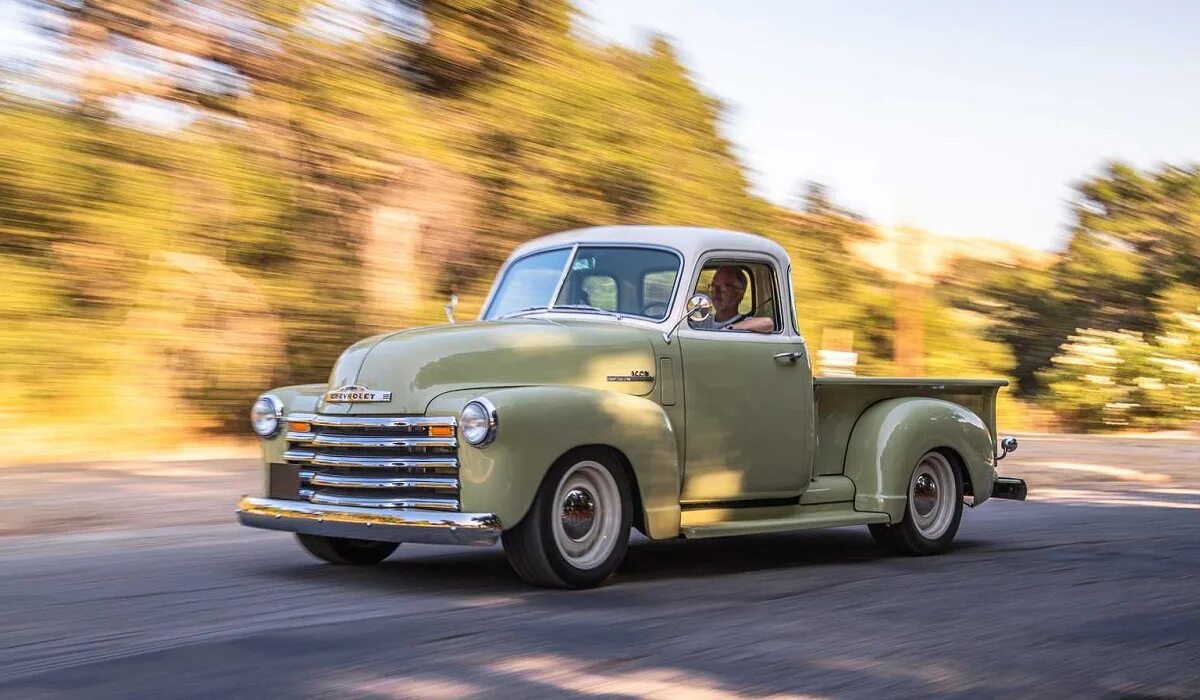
(202, 199)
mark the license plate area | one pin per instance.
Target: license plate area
(283, 481)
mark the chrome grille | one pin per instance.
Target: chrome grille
(375, 461)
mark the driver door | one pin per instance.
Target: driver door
(748, 410)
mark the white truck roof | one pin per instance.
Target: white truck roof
(690, 241)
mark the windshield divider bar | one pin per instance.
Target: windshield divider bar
(563, 277)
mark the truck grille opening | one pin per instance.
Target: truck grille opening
(376, 461)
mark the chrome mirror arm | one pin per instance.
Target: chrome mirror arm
(699, 308)
(1008, 444)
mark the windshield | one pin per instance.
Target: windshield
(603, 279)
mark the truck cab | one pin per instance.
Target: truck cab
(618, 377)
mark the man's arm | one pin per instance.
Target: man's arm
(757, 324)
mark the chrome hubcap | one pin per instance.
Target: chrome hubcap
(931, 495)
(578, 513)
(925, 493)
(588, 520)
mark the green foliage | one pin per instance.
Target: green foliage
(1105, 380)
(1134, 254)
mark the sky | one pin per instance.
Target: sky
(962, 118)
(966, 118)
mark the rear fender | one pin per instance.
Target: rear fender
(891, 436)
(536, 425)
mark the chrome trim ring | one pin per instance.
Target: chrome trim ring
(276, 409)
(489, 409)
(586, 538)
(931, 495)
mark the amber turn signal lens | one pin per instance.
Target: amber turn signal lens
(299, 427)
(441, 431)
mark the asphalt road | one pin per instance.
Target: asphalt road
(121, 581)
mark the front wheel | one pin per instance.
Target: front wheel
(932, 512)
(339, 550)
(576, 531)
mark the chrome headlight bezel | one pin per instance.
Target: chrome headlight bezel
(477, 422)
(266, 416)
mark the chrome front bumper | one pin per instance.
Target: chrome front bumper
(380, 524)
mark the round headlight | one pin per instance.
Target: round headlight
(477, 422)
(266, 416)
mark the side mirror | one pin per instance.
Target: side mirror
(699, 308)
(1008, 444)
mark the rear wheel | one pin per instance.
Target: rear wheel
(576, 532)
(932, 512)
(339, 550)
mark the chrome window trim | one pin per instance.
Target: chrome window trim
(574, 248)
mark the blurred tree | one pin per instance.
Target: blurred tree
(1106, 380)
(346, 162)
(468, 43)
(1135, 246)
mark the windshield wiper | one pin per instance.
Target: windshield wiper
(521, 312)
(587, 307)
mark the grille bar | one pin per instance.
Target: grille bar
(449, 504)
(375, 461)
(326, 440)
(371, 482)
(370, 462)
(404, 422)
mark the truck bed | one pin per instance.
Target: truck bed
(841, 400)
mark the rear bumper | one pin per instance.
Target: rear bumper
(1010, 488)
(380, 524)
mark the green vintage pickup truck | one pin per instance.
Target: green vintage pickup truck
(602, 390)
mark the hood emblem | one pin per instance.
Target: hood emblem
(354, 393)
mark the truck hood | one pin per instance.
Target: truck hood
(419, 364)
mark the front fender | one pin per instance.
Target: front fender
(536, 425)
(891, 436)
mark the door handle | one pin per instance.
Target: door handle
(790, 357)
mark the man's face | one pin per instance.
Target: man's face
(726, 291)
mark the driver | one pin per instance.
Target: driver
(727, 289)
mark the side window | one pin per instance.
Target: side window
(740, 290)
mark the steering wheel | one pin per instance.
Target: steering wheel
(655, 309)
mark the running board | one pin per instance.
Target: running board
(799, 521)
